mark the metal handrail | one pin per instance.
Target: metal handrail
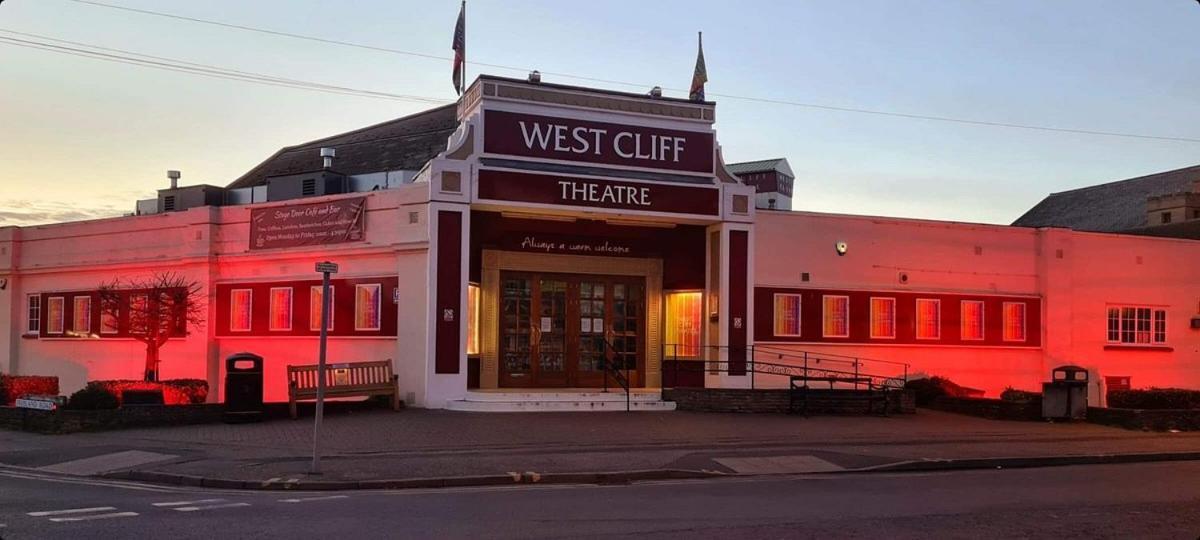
(621, 378)
(753, 365)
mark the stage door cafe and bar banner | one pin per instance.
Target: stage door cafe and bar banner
(331, 222)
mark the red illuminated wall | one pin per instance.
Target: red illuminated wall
(860, 330)
(343, 308)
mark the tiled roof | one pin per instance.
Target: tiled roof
(1111, 207)
(402, 144)
(754, 166)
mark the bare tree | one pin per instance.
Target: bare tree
(155, 309)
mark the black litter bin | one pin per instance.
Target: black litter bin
(1065, 397)
(243, 388)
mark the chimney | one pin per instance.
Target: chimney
(174, 177)
(327, 155)
(656, 92)
(535, 76)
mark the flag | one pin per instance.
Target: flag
(700, 76)
(460, 49)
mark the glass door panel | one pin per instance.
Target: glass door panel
(592, 321)
(516, 297)
(552, 327)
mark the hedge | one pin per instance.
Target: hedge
(16, 386)
(929, 389)
(1155, 398)
(175, 391)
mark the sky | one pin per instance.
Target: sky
(82, 138)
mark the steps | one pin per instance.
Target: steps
(559, 401)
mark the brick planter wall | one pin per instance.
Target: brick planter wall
(995, 409)
(1147, 419)
(776, 401)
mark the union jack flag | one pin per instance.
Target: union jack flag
(700, 76)
(460, 49)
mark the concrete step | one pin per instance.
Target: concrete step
(537, 402)
(518, 395)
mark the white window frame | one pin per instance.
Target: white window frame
(1154, 311)
(871, 322)
(62, 313)
(825, 315)
(315, 290)
(34, 322)
(75, 313)
(249, 307)
(799, 314)
(1024, 322)
(378, 306)
(291, 295)
(937, 302)
(962, 304)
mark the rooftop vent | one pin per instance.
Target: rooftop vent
(169, 203)
(327, 155)
(174, 177)
(535, 76)
(308, 187)
(656, 92)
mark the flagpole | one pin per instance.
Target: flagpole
(463, 82)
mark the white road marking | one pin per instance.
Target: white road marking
(94, 516)
(71, 511)
(187, 503)
(88, 482)
(314, 499)
(209, 507)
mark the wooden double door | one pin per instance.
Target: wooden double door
(554, 328)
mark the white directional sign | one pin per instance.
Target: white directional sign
(327, 267)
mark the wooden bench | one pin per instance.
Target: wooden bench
(344, 380)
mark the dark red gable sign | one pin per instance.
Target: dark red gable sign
(576, 191)
(570, 139)
(330, 222)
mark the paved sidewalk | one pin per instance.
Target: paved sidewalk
(419, 447)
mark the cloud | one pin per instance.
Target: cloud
(27, 212)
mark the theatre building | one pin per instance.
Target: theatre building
(539, 236)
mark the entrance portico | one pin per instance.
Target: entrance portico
(587, 209)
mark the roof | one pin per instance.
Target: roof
(762, 165)
(1111, 207)
(402, 144)
(1183, 229)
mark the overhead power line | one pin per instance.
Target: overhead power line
(772, 101)
(181, 66)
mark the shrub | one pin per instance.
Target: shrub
(93, 397)
(1154, 398)
(16, 386)
(174, 391)
(931, 388)
(1020, 396)
(196, 390)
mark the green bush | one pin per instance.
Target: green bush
(1154, 398)
(93, 397)
(1020, 396)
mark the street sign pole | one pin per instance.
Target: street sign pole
(325, 268)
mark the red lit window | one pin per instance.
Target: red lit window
(787, 315)
(366, 307)
(281, 309)
(683, 324)
(240, 303)
(971, 327)
(33, 313)
(110, 322)
(836, 316)
(314, 308)
(883, 318)
(1132, 325)
(54, 314)
(1014, 321)
(472, 319)
(81, 315)
(929, 318)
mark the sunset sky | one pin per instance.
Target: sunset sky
(83, 138)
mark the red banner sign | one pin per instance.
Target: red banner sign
(331, 222)
(597, 142)
(574, 191)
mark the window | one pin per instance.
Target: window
(883, 318)
(366, 307)
(139, 307)
(314, 308)
(836, 315)
(54, 314)
(110, 319)
(81, 315)
(929, 318)
(787, 315)
(472, 318)
(971, 321)
(240, 303)
(1014, 321)
(1166, 217)
(1132, 325)
(33, 313)
(683, 324)
(281, 309)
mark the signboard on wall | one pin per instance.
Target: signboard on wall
(312, 224)
(594, 193)
(571, 139)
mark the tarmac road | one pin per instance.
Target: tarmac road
(1150, 500)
